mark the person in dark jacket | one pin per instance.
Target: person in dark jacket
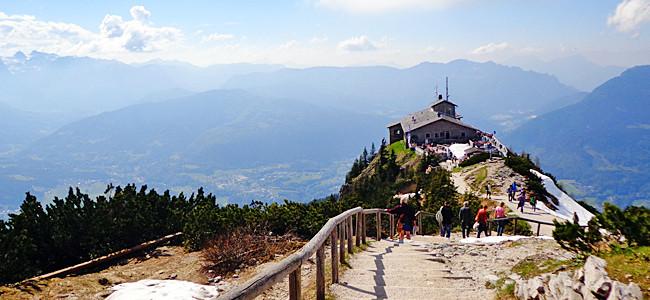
(447, 216)
(466, 220)
(406, 216)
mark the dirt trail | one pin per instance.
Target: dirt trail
(500, 176)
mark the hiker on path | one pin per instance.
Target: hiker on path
(499, 213)
(446, 220)
(439, 220)
(513, 188)
(576, 220)
(465, 217)
(509, 194)
(406, 217)
(481, 219)
(522, 200)
(488, 191)
(533, 202)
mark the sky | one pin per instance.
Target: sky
(331, 32)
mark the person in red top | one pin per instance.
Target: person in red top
(481, 218)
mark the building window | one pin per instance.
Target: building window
(462, 134)
(428, 135)
(436, 135)
(397, 132)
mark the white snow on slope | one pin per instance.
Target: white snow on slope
(150, 289)
(500, 239)
(458, 150)
(566, 205)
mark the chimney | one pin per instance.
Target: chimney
(439, 97)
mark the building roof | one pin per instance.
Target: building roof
(443, 101)
(426, 117)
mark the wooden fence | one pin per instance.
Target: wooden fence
(343, 232)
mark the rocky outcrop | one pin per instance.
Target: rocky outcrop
(589, 283)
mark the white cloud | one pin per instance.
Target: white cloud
(27, 33)
(360, 43)
(217, 37)
(383, 6)
(629, 15)
(140, 14)
(491, 48)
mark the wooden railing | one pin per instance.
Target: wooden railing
(346, 230)
(343, 232)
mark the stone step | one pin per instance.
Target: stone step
(429, 280)
(412, 291)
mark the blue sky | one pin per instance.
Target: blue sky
(331, 32)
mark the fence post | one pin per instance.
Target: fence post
(538, 226)
(320, 273)
(392, 224)
(514, 228)
(363, 228)
(378, 219)
(357, 236)
(342, 242)
(335, 256)
(295, 292)
(350, 242)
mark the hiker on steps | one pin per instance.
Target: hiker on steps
(465, 217)
(406, 216)
(500, 213)
(446, 220)
(513, 189)
(481, 219)
(488, 191)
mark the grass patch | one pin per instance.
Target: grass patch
(534, 266)
(505, 290)
(480, 175)
(456, 169)
(399, 148)
(630, 264)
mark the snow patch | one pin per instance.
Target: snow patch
(566, 205)
(162, 289)
(458, 150)
(500, 239)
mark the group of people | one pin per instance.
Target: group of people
(522, 198)
(480, 221)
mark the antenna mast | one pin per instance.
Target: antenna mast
(447, 88)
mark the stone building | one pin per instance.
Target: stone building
(437, 124)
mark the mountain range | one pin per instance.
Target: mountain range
(601, 145)
(269, 133)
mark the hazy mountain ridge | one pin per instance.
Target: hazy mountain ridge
(490, 96)
(603, 142)
(200, 139)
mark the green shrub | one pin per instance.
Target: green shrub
(475, 159)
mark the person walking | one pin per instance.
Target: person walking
(500, 213)
(533, 202)
(439, 220)
(406, 215)
(513, 188)
(522, 200)
(488, 191)
(576, 220)
(446, 220)
(465, 217)
(481, 219)
(509, 194)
